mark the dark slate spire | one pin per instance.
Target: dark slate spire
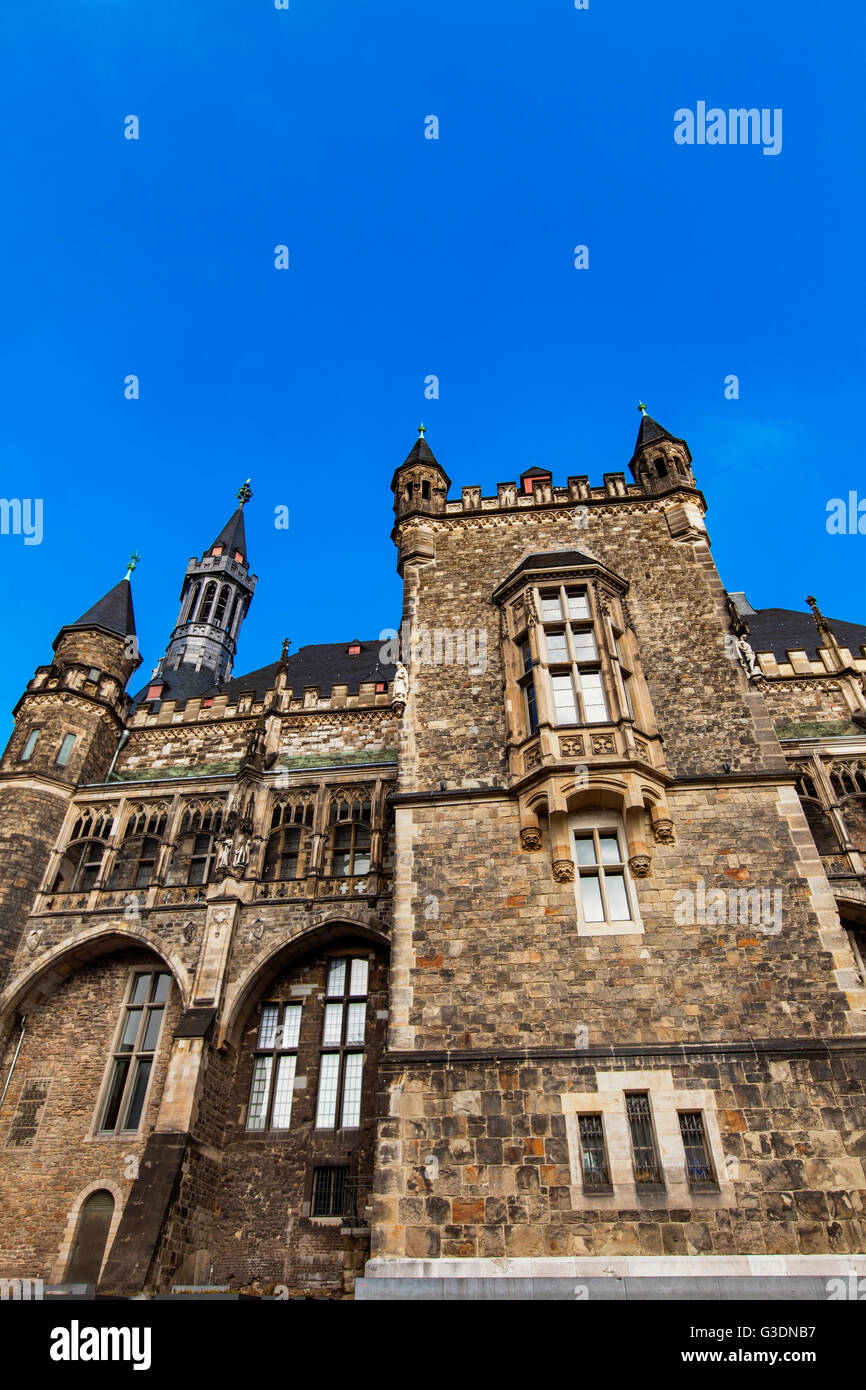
(216, 593)
(660, 458)
(233, 536)
(419, 460)
(112, 613)
(650, 430)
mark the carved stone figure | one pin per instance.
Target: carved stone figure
(563, 870)
(400, 685)
(663, 830)
(640, 865)
(530, 837)
(747, 656)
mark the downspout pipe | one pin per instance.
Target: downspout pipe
(120, 743)
(14, 1060)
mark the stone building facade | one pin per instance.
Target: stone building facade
(525, 943)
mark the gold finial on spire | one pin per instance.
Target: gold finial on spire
(245, 493)
(133, 561)
(422, 429)
(641, 407)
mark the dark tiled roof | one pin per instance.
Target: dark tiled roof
(233, 534)
(421, 453)
(323, 664)
(555, 560)
(113, 612)
(650, 430)
(536, 472)
(780, 630)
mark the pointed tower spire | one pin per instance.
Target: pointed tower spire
(111, 614)
(420, 483)
(660, 460)
(216, 594)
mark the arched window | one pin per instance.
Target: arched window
(234, 614)
(661, 468)
(207, 601)
(222, 602)
(80, 866)
(138, 853)
(349, 836)
(191, 602)
(91, 1234)
(194, 857)
(287, 851)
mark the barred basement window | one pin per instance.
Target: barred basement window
(134, 1052)
(698, 1165)
(644, 1153)
(595, 1170)
(274, 1067)
(329, 1191)
(342, 1058)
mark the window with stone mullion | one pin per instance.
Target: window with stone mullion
(573, 659)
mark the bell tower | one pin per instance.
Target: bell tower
(216, 593)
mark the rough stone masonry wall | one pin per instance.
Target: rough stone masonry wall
(502, 963)
(793, 1133)
(697, 691)
(67, 1043)
(252, 1213)
(30, 821)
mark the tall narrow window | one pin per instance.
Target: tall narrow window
(643, 1145)
(527, 682)
(81, 864)
(207, 601)
(594, 1157)
(91, 1234)
(134, 1052)
(350, 837)
(222, 601)
(274, 1067)
(572, 658)
(602, 875)
(64, 752)
(342, 1058)
(194, 858)
(27, 750)
(287, 850)
(698, 1165)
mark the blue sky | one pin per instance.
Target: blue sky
(411, 257)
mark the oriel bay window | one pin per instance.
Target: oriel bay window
(134, 1051)
(572, 656)
(342, 1055)
(274, 1067)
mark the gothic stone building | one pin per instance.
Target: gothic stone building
(529, 947)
